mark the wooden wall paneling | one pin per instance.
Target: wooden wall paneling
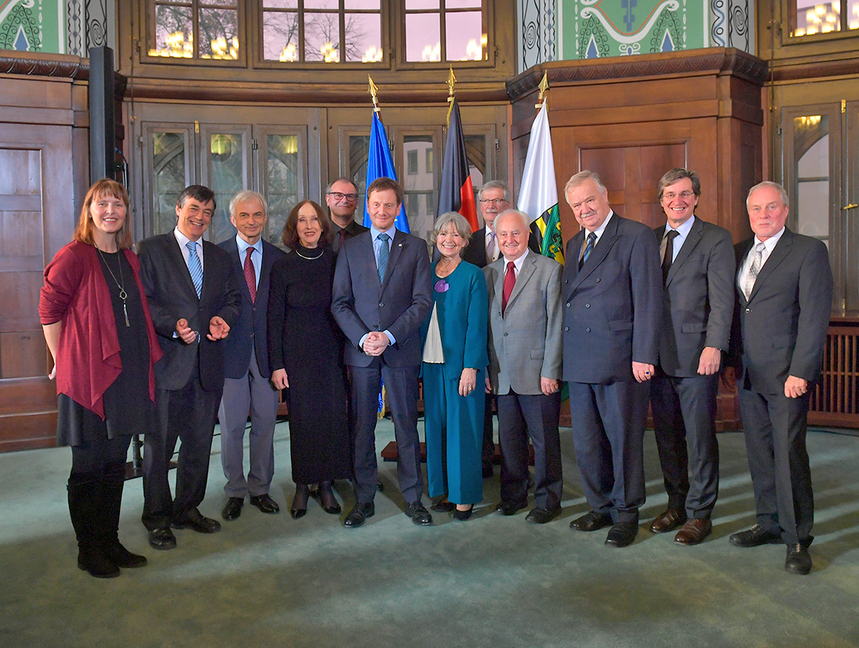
(42, 146)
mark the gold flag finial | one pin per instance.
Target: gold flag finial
(543, 87)
(373, 90)
(451, 83)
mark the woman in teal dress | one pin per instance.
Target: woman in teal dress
(454, 370)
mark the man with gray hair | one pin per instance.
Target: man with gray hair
(525, 368)
(612, 313)
(247, 385)
(784, 294)
(482, 249)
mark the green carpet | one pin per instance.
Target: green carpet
(493, 581)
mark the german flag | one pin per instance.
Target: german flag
(456, 193)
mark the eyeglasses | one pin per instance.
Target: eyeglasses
(685, 195)
(492, 201)
(336, 195)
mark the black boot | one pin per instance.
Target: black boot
(84, 495)
(108, 527)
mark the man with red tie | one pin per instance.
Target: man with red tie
(247, 385)
(525, 368)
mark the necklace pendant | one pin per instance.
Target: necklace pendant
(125, 310)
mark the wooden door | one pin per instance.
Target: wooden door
(36, 219)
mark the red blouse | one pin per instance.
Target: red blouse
(76, 293)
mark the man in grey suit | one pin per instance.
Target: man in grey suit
(381, 296)
(483, 249)
(248, 376)
(341, 197)
(525, 368)
(784, 290)
(612, 296)
(697, 309)
(194, 301)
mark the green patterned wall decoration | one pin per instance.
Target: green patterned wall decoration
(32, 25)
(600, 28)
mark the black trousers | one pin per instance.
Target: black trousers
(775, 428)
(521, 415)
(684, 417)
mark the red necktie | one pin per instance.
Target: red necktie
(509, 282)
(250, 275)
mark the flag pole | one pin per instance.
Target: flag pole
(373, 90)
(543, 87)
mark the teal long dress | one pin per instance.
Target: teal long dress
(454, 424)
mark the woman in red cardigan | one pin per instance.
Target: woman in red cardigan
(98, 329)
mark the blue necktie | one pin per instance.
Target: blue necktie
(592, 238)
(383, 255)
(195, 267)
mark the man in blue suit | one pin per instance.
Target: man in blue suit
(248, 385)
(381, 296)
(612, 304)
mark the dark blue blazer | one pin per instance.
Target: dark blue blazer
(252, 324)
(613, 305)
(399, 304)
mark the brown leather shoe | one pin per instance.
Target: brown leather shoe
(668, 520)
(694, 531)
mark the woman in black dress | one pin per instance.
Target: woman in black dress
(98, 329)
(305, 350)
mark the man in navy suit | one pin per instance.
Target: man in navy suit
(784, 290)
(698, 306)
(248, 377)
(612, 304)
(381, 296)
(194, 301)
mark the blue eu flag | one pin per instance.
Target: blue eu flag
(380, 165)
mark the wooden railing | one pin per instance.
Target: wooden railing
(835, 399)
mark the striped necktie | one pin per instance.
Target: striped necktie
(195, 267)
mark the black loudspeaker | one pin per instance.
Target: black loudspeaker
(102, 115)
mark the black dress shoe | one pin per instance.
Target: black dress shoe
(299, 502)
(233, 509)
(162, 538)
(591, 521)
(462, 516)
(195, 521)
(754, 537)
(510, 508)
(418, 513)
(327, 501)
(798, 559)
(358, 515)
(622, 534)
(265, 503)
(542, 516)
(443, 506)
